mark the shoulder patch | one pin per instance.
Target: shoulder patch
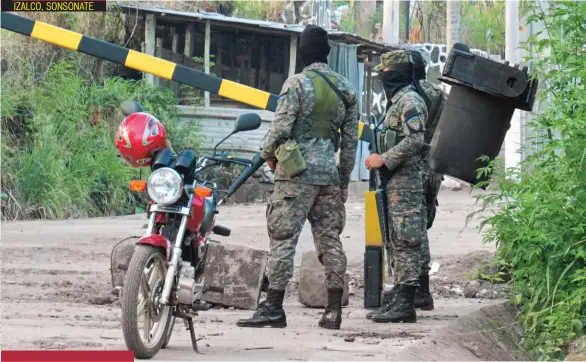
(281, 100)
(414, 123)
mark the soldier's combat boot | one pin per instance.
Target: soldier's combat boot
(423, 298)
(332, 317)
(403, 309)
(388, 300)
(270, 313)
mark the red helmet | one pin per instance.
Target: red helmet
(139, 136)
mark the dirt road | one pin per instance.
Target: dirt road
(53, 271)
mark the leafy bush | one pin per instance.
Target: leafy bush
(58, 154)
(540, 220)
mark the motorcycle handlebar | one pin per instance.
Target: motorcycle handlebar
(236, 160)
(248, 171)
(239, 160)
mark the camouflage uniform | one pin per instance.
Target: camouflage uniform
(431, 180)
(406, 115)
(314, 194)
(407, 214)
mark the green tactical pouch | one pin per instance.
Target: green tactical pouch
(290, 157)
(391, 139)
(386, 140)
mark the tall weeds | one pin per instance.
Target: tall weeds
(540, 222)
(58, 154)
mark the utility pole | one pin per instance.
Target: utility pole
(514, 137)
(452, 37)
(391, 25)
(453, 23)
(406, 8)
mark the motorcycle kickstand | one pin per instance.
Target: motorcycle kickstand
(189, 325)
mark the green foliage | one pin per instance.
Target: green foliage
(338, 3)
(348, 20)
(251, 9)
(539, 221)
(262, 9)
(377, 17)
(495, 272)
(58, 154)
(483, 25)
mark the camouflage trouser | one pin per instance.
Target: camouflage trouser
(289, 207)
(432, 182)
(407, 225)
(431, 185)
(425, 256)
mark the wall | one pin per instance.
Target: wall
(217, 123)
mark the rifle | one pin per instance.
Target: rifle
(381, 198)
(377, 235)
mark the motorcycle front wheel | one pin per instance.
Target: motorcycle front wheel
(169, 333)
(145, 322)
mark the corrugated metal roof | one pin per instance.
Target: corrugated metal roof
(269, 25)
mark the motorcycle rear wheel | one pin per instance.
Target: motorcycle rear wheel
(140, 288)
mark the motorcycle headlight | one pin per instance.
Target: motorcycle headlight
(165, 186)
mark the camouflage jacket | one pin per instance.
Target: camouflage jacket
(407, 117)
(295, 105)
(437, 97)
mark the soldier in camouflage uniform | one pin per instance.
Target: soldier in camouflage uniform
(406, 115)
(310, 112)
(431, 180)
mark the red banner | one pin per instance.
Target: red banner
(67, 356)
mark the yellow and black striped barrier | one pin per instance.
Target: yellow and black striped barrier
(139, 61)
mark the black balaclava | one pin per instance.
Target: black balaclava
(314, 46)
(419, 74)
(393, 80)
(418, 65)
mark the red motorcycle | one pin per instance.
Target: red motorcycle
(163, 280)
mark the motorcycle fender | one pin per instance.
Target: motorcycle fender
(157, 240)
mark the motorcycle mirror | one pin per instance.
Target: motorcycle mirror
(247, 122)
(129, 107)
(244, 122)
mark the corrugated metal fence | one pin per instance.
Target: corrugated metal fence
(343, 59)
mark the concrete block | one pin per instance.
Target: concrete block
(120, 259)
(312, 286)
(234, 269)
(233, 274)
